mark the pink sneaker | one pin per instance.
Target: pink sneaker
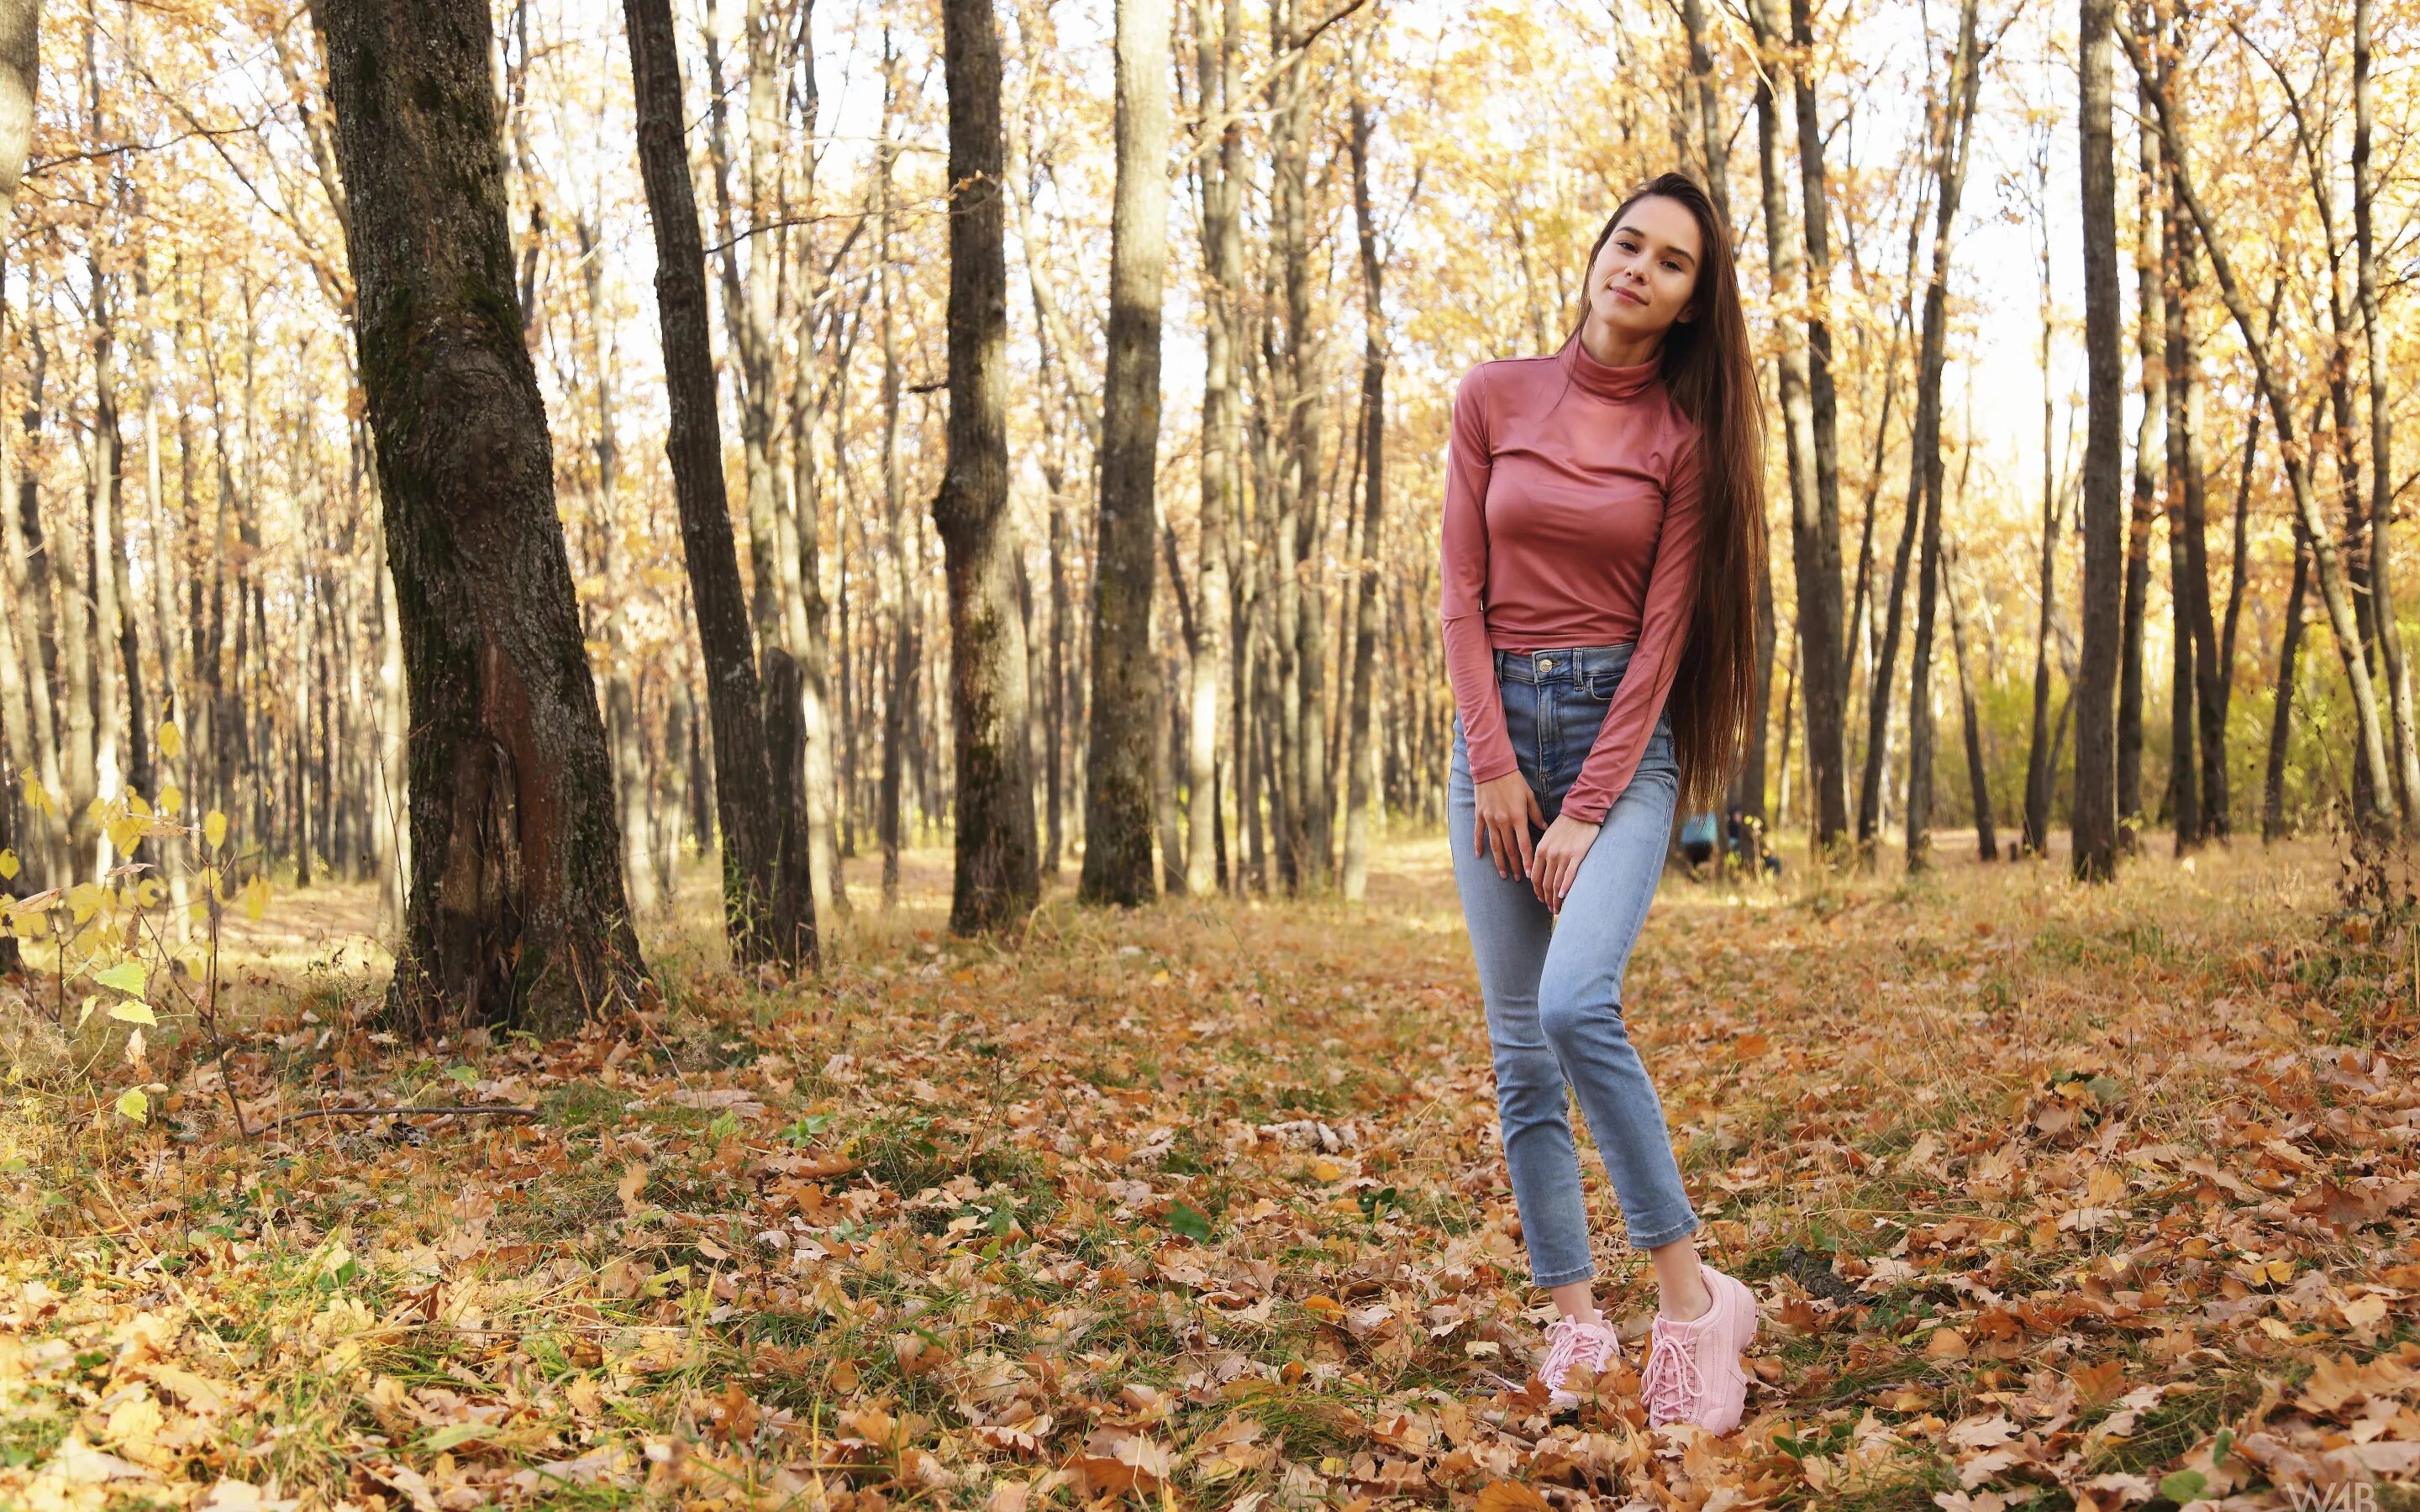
(1571, 1343)
(1694, 1371)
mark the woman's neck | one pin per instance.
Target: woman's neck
(1603, 346)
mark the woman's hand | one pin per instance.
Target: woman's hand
(1507, 815)
(1558, 858)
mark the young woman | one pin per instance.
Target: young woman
(1604, 537)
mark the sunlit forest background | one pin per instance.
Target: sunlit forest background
(197, 540)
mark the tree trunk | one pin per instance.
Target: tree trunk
(2194, 620)
(748, 309)
(1818, 573)
(517, 914)
(763, 920)
(1118, 786)
(998, 881)
(2369, 743)
(900, 681)
(2149, 447)
(1987, 839)
(104, 561)
(2382, 433)
(1925, 469)
(2281, 718)
(671, 814)
(1822, 401)
(2182, 396)
(621, 696)
(390, 821)
(2094, 815)
(1221, 443)
(808, 400)
(1713, 134)
(1361, 771)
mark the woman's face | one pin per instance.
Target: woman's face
(1646, 272)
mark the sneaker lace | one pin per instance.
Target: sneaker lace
(1671, 1382)
(1562, 1348)
(1569, 1337)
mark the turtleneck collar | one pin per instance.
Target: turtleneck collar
(1608, 382)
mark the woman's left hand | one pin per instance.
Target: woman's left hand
(1560, 853)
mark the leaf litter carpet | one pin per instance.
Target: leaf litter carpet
(2051, 1199)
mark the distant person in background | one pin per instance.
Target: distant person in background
(1697, 835)
(1603, 541)
(1743, 844)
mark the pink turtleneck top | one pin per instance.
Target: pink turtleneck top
(1573, 513)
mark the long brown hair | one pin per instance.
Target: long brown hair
(1709, 372)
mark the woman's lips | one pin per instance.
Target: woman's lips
(1627, 294)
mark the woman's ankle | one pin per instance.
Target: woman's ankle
(1680, 1282)
(1685, 1305)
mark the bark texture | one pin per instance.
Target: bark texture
(516, 913)
(1118, 791)
(762, 920)
(998, 878)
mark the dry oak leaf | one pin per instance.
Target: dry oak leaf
(1512, 1496)
(2097, 1384)
(1983, 1432)
(2334, 1382)
(1114, 1462)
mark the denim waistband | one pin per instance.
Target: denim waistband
(1573, 662)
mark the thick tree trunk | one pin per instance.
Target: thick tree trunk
(763, 920)
(517, 912)
(1118, 785)
(2094, 812)
(996, 882)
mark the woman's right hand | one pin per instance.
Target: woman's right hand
(1508, 819)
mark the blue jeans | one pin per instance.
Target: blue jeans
(1554, 993)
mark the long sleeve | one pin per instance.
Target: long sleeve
(1470, 658)
(1655, 656)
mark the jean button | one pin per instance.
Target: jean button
(1546, 666)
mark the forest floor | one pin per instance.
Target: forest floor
(2052, 1196)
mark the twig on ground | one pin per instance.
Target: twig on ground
(490, 1110)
